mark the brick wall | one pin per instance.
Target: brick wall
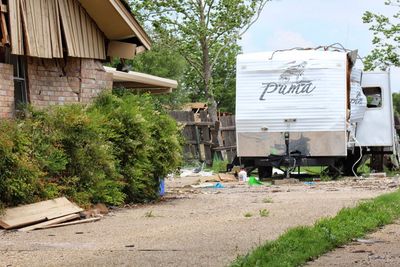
(6, 91)
(65, 81)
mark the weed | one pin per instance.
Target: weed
(248, 215)
(264, 213)
(267, 200)
(219, 165)
(149, 214)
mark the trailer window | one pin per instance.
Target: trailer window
(374, 96)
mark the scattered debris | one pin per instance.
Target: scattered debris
(286, 181)
(195, 172)
(310, 183)
(210, 179)
(218, 185)
(378, 175)
(47, 214)
(226, 177)
(254, 182)
(203, 185)
(369, 241)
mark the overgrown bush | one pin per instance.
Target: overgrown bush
(113, 151)
(19, 173)
(146, 142)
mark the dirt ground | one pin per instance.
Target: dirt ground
(381, 248)
(190, 227)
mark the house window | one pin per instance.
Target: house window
(374, 96)
(19, 66)
(20, 92)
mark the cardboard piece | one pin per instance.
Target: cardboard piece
(37, 212)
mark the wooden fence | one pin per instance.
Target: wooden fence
(205, 139)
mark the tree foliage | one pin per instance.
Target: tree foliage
(202, 31)
(386, 32)
(163, 62)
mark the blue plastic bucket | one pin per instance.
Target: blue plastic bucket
(161, 189)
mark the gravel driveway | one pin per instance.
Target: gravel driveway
(190, 227)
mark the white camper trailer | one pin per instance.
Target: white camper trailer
(310, 107)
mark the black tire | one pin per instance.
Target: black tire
(264, 172)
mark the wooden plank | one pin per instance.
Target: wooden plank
(206, 138)
(45, 34)
(85, 39)
(3, 8)
(90, 38)
(31, 27)
(15, 24)
(78, 36)
(73, 26)
(94, 37)
(228, 128)
(224, 148)
(63, 8)
(72, 223)
(55, 30)
(25, 22)
(37, 212)
(6, 39)
(50, 222)
(196, 123)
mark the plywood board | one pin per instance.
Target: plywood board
(72, 223)
(121, 50)
(37, 212)
(50, 222)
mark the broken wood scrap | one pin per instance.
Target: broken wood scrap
(6, 39)
(37, 213)
(95, 219)
(50, 222)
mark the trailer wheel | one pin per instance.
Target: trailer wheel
(264, 172)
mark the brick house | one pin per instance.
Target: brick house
(52, 52)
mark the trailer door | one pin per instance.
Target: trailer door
(376, 129)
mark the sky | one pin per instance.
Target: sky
(286, 24)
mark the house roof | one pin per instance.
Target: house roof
(115, 20)
(141, 81)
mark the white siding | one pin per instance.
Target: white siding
(321, 109)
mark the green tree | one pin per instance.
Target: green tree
(386, 32)
(201, 31)
(163, 62)
(396, 103)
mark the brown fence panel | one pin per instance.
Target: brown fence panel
(203, 138)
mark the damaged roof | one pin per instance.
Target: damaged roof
(115, 20)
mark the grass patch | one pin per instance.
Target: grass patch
(248, 215)
(301, 244)
(267, 200)
(219, 165)
(264, 213)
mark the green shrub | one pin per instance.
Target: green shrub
(87, 153)
(19, 173)
(113, 151)
(146, 142)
